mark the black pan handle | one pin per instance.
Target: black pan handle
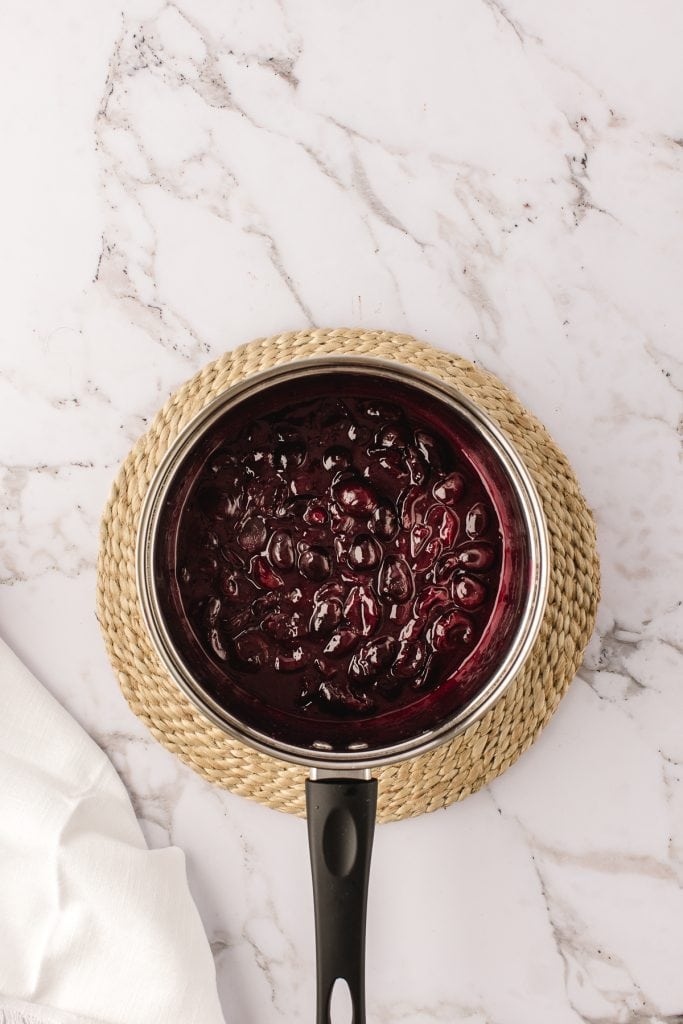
(341, 824)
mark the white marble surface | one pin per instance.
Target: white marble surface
(505, 181)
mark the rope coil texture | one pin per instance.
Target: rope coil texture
(462, 765)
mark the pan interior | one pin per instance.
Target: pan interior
(282, 725)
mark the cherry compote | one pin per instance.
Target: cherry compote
(329, 561)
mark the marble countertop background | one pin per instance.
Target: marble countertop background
(503, 179)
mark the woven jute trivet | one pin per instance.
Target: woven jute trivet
(458, 767)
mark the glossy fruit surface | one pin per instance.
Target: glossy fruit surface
(330, 560)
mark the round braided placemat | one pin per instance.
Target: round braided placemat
(458, 767)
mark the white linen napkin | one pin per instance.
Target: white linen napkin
(94, 927)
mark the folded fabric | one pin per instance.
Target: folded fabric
(94, 927)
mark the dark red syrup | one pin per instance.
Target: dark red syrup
(334, 558)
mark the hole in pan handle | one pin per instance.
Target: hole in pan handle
(341, 815)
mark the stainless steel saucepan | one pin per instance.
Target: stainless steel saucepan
(341, 794)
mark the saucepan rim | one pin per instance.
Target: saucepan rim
(523, 637)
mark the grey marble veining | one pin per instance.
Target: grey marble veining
(502, 179)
